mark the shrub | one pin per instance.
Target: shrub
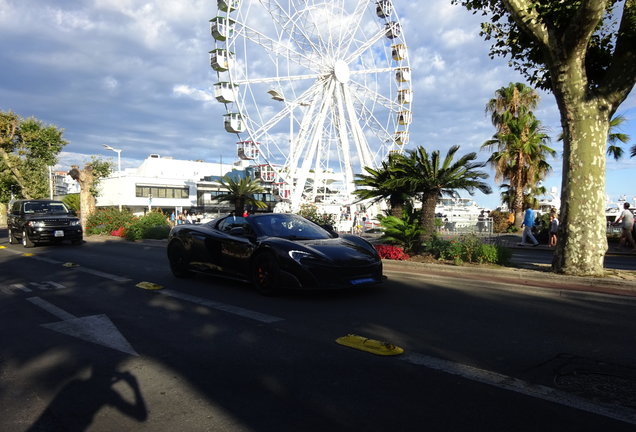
(500, 221)
(152, 225)
(403, 232)
(105, 221)
(469, 248)
(391, 252)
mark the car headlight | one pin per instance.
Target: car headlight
(74, 223)
(36, 224)
(298, 255)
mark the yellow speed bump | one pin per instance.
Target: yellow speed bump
(70, 264)
(149, 286)
(370, 345)
(3, 247)
(27, 254)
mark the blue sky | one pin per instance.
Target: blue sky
(135, 75)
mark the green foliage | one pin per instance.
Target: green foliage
(27, 149)
(526, 53)
(72, 201)
(153, 225)
(376, 185)
(240, 193)
(101, 169)
(310, 212)
(500, 221)
(403, 231)
(433, 176)
(108, 220)
(469, 248)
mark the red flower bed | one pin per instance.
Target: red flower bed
(391, 252)
(119, 232)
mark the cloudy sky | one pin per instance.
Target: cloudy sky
(135, 74)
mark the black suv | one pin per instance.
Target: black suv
(34, 221)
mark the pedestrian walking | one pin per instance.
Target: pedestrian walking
(528, 225)
(626, 221)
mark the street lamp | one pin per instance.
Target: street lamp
(118, 151)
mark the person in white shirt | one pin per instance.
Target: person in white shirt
(627, 219)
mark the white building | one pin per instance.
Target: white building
(167, 184)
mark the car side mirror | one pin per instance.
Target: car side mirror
(72, 212)
(331, 230)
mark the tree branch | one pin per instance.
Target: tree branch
(16, 172)
(528, 19)
(583, 24)
(620, 78)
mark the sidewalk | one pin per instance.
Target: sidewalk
(616, 282)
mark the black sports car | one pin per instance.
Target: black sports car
(274, 251)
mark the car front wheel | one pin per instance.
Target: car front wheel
(177, 256)
(26, 241)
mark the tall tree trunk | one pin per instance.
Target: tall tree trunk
(397, 209)
(429, 202)
(85, 178)
(582, 231)
(518, 201)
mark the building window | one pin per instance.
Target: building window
(161, 192)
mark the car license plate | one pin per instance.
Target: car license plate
(59, 233)
(362, 281)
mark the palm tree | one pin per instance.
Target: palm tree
(614, 149)
(530, 195)
(240, 193)
(520, 156)
(375, 186)
(509, 102)
(432, 177)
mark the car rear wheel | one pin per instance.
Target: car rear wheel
(266, 274)
(177, 256)
(12, 239)
(26, 241)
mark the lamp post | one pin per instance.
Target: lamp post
(118, 151)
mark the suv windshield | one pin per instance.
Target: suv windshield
(45, 207)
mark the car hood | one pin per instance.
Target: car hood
(338, 249)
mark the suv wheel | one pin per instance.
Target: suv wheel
(12, 239)
(26, 241)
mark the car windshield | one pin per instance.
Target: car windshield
(288, 226)
(45, 207)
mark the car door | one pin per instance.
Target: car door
(16, 218)
(236, 245)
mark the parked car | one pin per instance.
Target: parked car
(274, 251)
(35, 221)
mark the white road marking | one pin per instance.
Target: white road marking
(245, 313)
(82, 269)
(14, 287)
(98, 329)
(519, 386)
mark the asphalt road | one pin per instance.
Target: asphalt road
(84, 348)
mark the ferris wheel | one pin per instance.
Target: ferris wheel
(315, 90)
